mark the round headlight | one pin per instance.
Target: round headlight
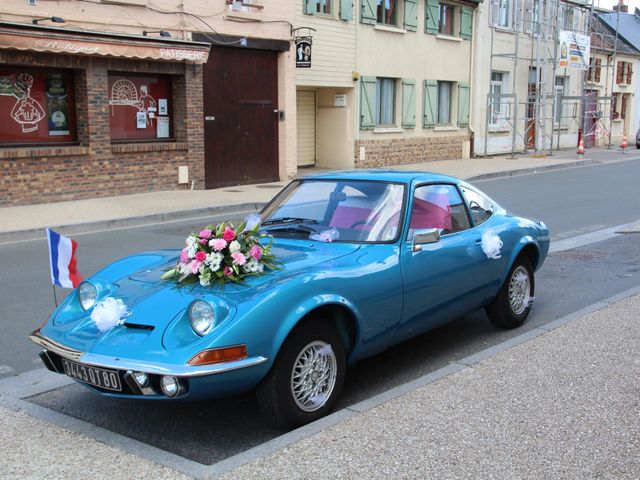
(170, 386)
(202, 317)
(87, 295)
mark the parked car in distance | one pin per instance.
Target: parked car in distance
(368, 259)
(638, 138)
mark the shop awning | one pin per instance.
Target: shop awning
(74, 42)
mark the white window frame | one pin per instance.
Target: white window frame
(502, 14)
(498, 119)
(560, 108)
(452, 117)
(379, 113)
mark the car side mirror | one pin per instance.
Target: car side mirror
(423, 237)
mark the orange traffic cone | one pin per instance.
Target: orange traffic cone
(624, 145)
(581, 147)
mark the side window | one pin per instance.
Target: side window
(480, 206)
(438, 206)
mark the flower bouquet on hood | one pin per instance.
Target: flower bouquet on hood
(223, 253)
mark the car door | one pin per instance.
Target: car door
(448, 278)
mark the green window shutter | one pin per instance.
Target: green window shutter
(429, 103)
(466, 22)
(367, 102)
(463, 104)
(431, 13)
(408, 103)
(310, 6)
(368, 12)
(411, 15)
(346, 10)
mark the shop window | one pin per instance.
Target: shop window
(140, 108)
(37, 106)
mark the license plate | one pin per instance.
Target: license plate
(98, 377)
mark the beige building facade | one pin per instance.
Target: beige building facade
(524, 100)
(134, 95)
(392, 81)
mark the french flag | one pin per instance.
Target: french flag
(62, 256)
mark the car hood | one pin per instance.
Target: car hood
(155, 305)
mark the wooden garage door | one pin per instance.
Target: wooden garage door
(306, 111)
(241, 119)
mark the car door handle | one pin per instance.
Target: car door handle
(479, 241)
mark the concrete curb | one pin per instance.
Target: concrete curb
(525, 171)
(91, 227)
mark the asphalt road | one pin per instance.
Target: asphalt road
(571, 202)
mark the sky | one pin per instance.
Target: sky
(633, 4)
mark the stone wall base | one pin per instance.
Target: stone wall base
(399, 151)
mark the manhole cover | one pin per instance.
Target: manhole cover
(234, 191)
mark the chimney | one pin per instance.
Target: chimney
(621, 7)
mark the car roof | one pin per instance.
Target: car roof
(401, 176)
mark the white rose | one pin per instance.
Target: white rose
(235, 247)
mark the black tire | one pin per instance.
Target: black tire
(505, 313)
(310, 342)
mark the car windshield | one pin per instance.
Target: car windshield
(337, 210)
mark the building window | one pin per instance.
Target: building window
(595, 68)
(498, 105)
(37, 106)
(615, 113)
(140, 107)
(567, 17)
(385, 101)
(444, 102)
(323, 6)
(386, 12)
(445, 23)
(502, 13)
(624, 73)
(560, 110)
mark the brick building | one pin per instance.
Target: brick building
(126, 96)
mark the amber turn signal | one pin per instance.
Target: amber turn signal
(219, 355)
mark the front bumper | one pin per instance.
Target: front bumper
(189, 375)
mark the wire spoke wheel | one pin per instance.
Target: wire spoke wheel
(519, 290)
(313, 376)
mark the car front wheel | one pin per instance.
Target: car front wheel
(512, 305)
(307, 376)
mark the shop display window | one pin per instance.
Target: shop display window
(140, 108)
(37, 106)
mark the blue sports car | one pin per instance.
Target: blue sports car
(366, 259)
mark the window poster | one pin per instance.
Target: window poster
(163, 107)
(57, 114)
(135, 103)
(163, 127)
(36, 106)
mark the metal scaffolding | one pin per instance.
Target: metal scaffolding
(538, 121)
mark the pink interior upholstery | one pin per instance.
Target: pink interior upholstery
(346, 217)
(431, 215)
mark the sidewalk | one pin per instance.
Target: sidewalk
(563, 404)
(28, 222)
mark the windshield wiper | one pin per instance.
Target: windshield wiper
(285, 220)
(293, 229)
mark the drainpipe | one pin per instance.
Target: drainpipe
(471, 83)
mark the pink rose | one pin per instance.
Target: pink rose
(206, 233)
(229, 234)
(203, 241)
(184, 256)
(218, 244)
(238, 258)
(195, 266)
(256, 252)
(201, 256)
(228, 271)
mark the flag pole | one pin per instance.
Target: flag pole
(55, 298)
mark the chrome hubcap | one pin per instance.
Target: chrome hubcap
(314, 376)
(519, 290)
